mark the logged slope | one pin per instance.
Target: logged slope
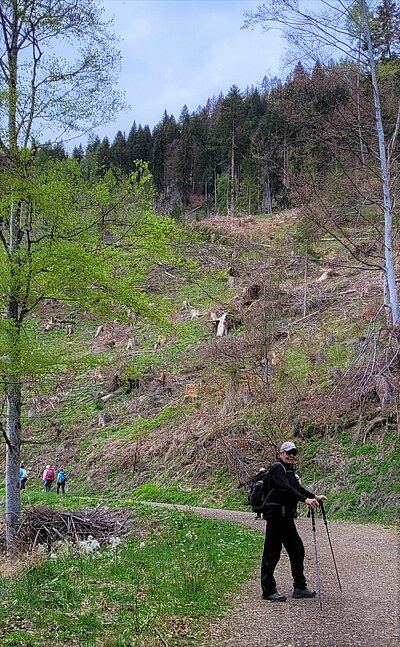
(183, 416)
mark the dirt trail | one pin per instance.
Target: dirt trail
(365, 615)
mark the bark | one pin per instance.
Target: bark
(385, 176)
(13, 389)
(231, 209)
(215, 190)
(360, 137)
(13, 384)
(267, 199)
(285, 164)
(305, 297)
(13, 433)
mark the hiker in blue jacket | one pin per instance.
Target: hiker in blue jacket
(285, 492)
(23, 476)
(61, 480)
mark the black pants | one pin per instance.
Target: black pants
(282, 530)
(61, 486)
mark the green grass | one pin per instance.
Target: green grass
(185, 337)
(35, 495)
(360, 479)
(215, 495)
(160, 588)
(139, 427)
(206, 291)
(297, 364)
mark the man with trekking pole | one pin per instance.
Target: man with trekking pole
(283, 492)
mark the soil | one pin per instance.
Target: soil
(366, 614)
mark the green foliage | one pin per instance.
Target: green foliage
(177, 572)
(69, 259)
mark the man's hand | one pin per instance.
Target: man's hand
(320, 497)
(313, 503)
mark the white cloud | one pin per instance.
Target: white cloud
(182, 52)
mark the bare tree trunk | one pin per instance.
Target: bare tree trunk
(385, 175)
(305, 286)
(13, 384)
(386, 298)
(231, 209)
(267, 200)
(215, 189)
(13, 392)
(285, 164)
(360, 139)
(13, 433)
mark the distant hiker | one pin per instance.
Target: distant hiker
(61, 480)
(23, 476)
(285, 492)
(48, 477)
(261, 474)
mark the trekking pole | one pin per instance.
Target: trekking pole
(321, 505)
(311, 510)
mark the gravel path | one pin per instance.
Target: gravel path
(365, 615)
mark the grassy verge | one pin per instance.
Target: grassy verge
(157, 589)
(210, 496)
(359, 478)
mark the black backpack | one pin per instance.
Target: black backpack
(260, 490)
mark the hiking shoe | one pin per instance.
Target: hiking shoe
(275, 597)
(303, 593)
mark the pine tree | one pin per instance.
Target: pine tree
(385, 31)
(183, 164)
(164, 135)
(78, 153)
(228, 129)
(103, 156)
(119, 155)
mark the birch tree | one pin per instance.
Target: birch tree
(327, 32)
(51, 220)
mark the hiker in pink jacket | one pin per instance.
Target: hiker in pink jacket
(48, 477)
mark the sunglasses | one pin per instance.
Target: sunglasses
(292, 452)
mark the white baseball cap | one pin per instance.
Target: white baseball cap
(287, 446)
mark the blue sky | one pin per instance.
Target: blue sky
(177, 52)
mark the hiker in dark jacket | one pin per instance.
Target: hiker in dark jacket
(280, 512)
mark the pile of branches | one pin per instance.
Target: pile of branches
(42, 525)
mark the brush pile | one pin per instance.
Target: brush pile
(42, 525)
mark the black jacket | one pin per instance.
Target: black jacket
(284, 487)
